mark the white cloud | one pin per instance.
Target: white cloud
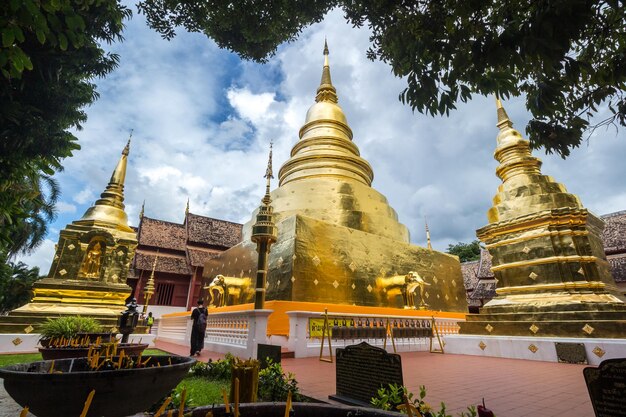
(202, 122)
(86, 195)
(64, 207)
(41, 258)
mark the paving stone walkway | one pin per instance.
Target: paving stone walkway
(511, 387)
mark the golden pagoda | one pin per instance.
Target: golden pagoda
(339, 243)
(90, 265)
(552, 276)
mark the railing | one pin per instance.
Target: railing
(236, 332)
(395, 333)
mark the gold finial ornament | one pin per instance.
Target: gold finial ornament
(326, 91)
(149, 289)
(143, 206)
(264, 234)
(539, 237)
(428, 245)
(109, 208)
(187, 207)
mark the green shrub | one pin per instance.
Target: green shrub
(394, 397)
(274, 384)
(69, 327)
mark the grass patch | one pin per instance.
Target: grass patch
(203, 391)
(149, 352)
(12, 359)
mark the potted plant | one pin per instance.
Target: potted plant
(71, 327)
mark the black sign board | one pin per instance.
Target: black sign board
(607, 388)
(571, 353)
(361, 370)
(272, 352)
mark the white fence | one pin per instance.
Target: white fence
(240, 332)
(235, 332)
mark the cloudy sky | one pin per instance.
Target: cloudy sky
(202, 121)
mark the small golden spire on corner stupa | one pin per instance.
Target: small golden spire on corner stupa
(326, 91)
(269, 174)
(428, 236)
(503, 117)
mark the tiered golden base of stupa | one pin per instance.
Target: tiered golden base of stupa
(90, 265)
(314, 261)
(552, 276)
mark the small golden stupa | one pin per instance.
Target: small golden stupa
(339, 242)
(552, 276)
(91, 262)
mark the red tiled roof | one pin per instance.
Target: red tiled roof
(162, 234)
(614, 234)
(198, 257)
(214, 232)
(618, 267)
(176, 264)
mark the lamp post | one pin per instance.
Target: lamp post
(148, 290)
(263, 234)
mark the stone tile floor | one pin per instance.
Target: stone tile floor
(511, 388)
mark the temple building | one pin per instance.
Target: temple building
(550, 270)
(90, 265)
(480, 282)
(182, 251)
(339, 243)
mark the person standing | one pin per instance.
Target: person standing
(199, 317)
(150, 321)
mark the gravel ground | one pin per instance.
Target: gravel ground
(8, 407)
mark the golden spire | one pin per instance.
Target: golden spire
(326, 91)
(187, 207)
(428, 236)
(503, 118)
(269, 175)
(110, 206)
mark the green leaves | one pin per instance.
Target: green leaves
(49, 52)
(566, 56)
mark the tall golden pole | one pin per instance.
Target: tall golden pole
(263, 234)
(148, 290)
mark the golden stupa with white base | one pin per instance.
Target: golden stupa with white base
(90, 265)
(339, 243)
(553, 279)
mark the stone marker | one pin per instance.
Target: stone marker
(361, 370)
(268, 351)
(571, 353)
(607, 388)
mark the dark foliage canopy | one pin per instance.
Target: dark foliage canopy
(50, 55)
(465, 251)
(567, 57)
(16, 280)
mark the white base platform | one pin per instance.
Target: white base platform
(518, 347)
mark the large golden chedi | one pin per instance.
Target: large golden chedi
(91, 262)
(552, 276)
(339, 242)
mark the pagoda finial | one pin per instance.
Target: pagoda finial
(428, 236)
(187, 207)
(143, 206)
(127, 147)
(503, 118)
(326, 91)
(110, 206)
(269, 175)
